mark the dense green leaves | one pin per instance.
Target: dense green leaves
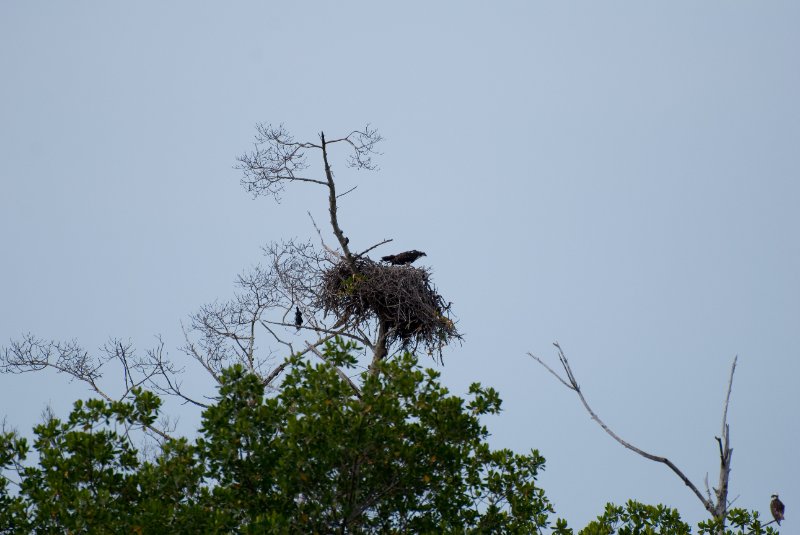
(739, 522)
(401, 455)
(638, 519)
(88, 476)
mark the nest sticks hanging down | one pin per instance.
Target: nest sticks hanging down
(402, 298)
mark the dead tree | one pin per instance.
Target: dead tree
(716, 504)
(379, 306)
(339, 292)
(277, 159)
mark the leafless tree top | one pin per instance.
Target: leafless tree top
(292, 304)
(277, 158)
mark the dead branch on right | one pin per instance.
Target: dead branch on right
(715, 500)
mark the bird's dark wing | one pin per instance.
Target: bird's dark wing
(406, 257)
(777, 508)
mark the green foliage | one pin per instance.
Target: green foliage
(350, 284)
(404, 455)
(89, 477)
(638, 519)
(739, 522)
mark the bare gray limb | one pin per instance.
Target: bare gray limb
(725, 453)
(718, 506)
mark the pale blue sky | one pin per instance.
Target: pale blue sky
(618, 176)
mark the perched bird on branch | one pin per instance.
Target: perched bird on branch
(298, 318)
(776, 507)
(403, 259)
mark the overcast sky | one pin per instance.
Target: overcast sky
(619, 176)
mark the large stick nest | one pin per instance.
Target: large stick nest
(401, 297)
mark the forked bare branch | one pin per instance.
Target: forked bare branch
(34, 354)
(718, 506)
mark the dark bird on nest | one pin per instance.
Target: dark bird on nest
(403, 259)
(776, 507)
(298, 318)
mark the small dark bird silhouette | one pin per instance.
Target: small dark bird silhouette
(776, 507)
(403, 259)
(298, 318)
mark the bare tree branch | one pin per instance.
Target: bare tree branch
(571, 383)
(162, 374)
(363, 143)
(275, 373)
(725, 453)
(340, 195)
(368, 249)
(333, 207)
(34, 354)
(276, 159)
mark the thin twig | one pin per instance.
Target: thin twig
(551, 370)
(340, 195)
(365, 251)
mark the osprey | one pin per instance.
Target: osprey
(298, 318)
(777, 508)
(403, 259)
